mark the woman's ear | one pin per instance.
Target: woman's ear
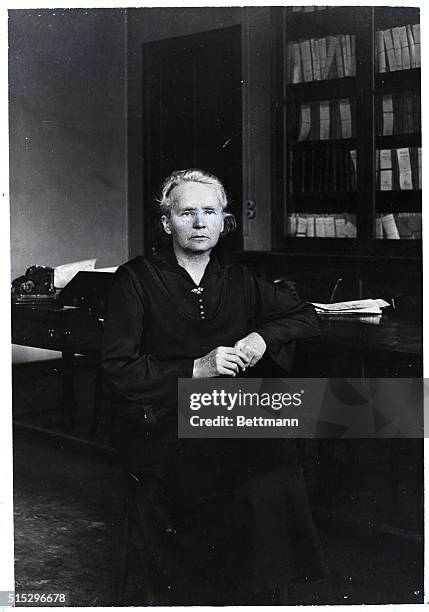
(166, 224)
(229, 224)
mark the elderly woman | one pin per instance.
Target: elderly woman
(224, 521)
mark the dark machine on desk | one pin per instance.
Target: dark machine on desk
(36, 285)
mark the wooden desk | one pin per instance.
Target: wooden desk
(392, 334)
(68, 330)
(350, 347)
(72, 330)
(60, 329)
(347, 347)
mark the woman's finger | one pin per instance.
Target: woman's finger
(227, 371)
(238, 352)
(236, 360)
(254, 360)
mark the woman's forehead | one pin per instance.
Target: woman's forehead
(193, 194)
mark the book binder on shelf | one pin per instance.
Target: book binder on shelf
(398, 113)
(401, 225)
(387, 115)
(385, 171)
(389, 227)
(399, 169)
(416, 36)
(322, 170)
(346, 118)
(380, 51)
(398, 48)
(390, 50)
(325, 120)
(316, 59)
(405, 50)
(322, 225)
(404, 163)
(305, 122)
(411, 46)
(307, 66)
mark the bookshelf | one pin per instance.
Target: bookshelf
(347, 130)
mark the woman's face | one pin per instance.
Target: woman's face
(196, 217)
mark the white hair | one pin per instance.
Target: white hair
(191, 175)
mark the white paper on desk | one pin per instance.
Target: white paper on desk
(350, 305)
(382, 303)
(112, 269)
(373, 310)
(367, 306)
(64, 273)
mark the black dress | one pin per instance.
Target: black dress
(222, 518)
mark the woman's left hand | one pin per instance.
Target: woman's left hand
(253, 345)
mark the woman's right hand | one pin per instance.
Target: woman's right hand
(221, 361)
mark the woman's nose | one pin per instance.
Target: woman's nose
(199, 220)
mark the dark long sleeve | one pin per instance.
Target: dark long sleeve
(133, 376)
(280, 317)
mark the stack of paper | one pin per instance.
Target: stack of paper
(355, 307)
(111, 269)
(64, 273)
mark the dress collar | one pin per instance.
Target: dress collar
(166, 259)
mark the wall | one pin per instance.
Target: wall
(150, 24)
(68, 174)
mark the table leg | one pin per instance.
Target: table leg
(68, 400)
(98, 399)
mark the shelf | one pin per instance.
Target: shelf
(329, 89)
(399, 201)
(398, 141)
(347, 247)
(334, 202)
(319, 23)
(396, 248)
(334, 143)
(279, 252)
(391, 17)
(330, 245)
(398, 80)
(321, 195)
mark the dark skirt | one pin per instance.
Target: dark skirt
(221, 519)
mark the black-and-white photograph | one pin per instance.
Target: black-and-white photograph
(226, 199)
